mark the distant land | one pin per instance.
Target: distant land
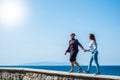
(50, 64)
(46, 64)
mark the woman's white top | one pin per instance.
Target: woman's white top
(92, 47)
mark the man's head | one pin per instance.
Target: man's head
(72, 35)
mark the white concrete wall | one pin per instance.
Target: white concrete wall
(35, 74)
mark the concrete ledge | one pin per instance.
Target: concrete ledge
(37, 74)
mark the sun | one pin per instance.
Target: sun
(12, 13)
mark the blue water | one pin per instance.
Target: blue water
(105, 70)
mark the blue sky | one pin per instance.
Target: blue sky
(44, 33)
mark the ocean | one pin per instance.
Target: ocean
(105, 70)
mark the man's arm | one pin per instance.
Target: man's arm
(81, 45)
(68, 49)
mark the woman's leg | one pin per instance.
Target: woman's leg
(96, 62)
(90, 64)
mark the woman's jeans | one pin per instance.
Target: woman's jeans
(95, 58)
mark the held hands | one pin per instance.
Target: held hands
(84, 50)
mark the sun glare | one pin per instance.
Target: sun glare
(12, 13)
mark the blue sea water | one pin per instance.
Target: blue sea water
(105, 70)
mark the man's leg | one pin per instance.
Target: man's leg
(80, 69)
(72, 66)
(74, 58)
(77, 64)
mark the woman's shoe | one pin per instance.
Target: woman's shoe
(87, 72)
(80, 70)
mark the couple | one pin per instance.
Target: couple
(73, 50)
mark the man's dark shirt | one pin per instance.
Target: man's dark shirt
(73, 45)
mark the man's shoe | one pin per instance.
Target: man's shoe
(80, 70)
(71, 71)
(87, 72)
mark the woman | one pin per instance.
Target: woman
(73, 50)
(94, 52)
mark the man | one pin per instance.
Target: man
(73, 50)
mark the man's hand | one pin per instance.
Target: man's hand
(84, 50)
(65, 53)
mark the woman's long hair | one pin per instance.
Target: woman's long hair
(92, 37)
